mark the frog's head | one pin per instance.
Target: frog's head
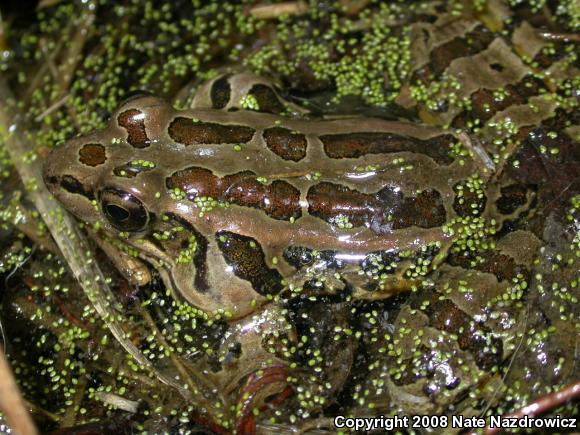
(95, 176)
(116, 178)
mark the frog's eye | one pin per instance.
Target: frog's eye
(123, 210)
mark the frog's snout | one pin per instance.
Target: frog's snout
(49, 170)
(65, 178)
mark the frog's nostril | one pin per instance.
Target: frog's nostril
(51, 182)
(49, 174)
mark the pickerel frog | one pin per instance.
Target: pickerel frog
(233, 207)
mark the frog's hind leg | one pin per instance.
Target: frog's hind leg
(241, 90)
(382, 275)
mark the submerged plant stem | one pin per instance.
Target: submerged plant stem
(69, 238)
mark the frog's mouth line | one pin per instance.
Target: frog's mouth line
(152, 255)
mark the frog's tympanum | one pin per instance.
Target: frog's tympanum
(233, 206)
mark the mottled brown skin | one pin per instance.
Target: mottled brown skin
(286, 144)
(132, 120)
(354, 145)
(92, 154)
(188, 131)
(512, 197)
(383, 211)
(271, 184)
(247, 259)
(279, 200)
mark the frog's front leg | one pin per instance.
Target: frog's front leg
(133, 269)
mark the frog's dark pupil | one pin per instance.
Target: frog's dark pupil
(118, 214)
(123, 210)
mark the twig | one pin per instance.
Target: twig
(317, 423)
(11, 403)
(47, 3)
(15, 269)
(353, 7)
(270, 12)
(555, 36)
(543, 404)
(285, 429)
(512, 359)
(39, 74)
(35, 409)
(2, 337)
(479, 153)
(52, 108)
(73, 54)
(3, 43)
(70, 416)
(50, 64)
(118, 401)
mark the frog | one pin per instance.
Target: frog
(241, 198)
